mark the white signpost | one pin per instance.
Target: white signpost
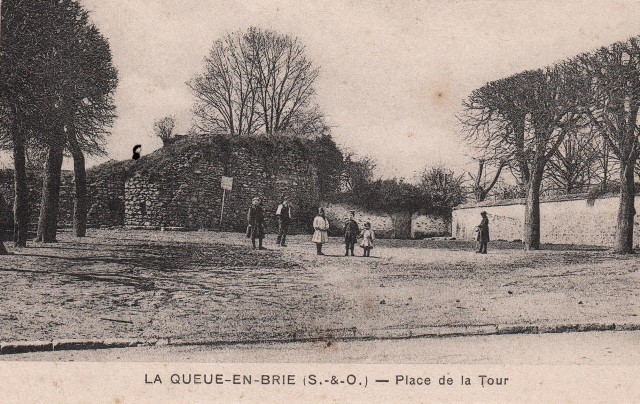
(226, 184)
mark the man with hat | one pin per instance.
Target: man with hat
(283, 213)
(255, 219)
(483, 233)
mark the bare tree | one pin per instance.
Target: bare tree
(91, 111)
(574, 166)
(611, 100)
(607, 166)
(3, 250)
(25, 48)
(255, 82)
(523, 119)
(163, 128)
(226, 91)
(482, 186)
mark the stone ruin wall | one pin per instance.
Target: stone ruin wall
(188, 193)
(106, 201)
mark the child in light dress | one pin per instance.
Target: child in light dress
(368, 236)
(320, 227)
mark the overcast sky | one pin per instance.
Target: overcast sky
(392, 73)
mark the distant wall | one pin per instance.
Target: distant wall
(430, 225)
(572, 221)
(34, 183)
(421, 224)
(105, 199)
(338, 214)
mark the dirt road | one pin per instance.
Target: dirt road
(212, 286)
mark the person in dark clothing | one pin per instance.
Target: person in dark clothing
(283, 213)
(351, 232)
(483, 234)
(255, 217)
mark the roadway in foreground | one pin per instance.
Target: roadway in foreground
(576, 348)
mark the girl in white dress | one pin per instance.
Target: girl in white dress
(320, 227)
(367, 239)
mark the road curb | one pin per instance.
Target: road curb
(25, 347)
(71, 344)
(348, 334)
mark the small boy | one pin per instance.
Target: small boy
(351, 232)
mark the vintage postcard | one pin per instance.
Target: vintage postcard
(322, 201)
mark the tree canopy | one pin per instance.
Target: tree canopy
(257, 82)
(559, 124)
(56, 92)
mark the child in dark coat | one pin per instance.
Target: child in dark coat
(351, 232)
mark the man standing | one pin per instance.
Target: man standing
(255, 218)
(283, 213)
(483, 236)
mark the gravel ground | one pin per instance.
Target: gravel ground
(206, 285)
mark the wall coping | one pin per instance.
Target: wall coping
(522, 201)
(350, 206)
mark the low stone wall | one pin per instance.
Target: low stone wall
(421, 224)
(505, 222)
(338, 214)
(572, 221)
(430, 225)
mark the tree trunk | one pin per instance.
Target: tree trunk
(48, 221)
(479, 190)
(605, 174)
(626, 210)
(532, 213)
(80, 203)
(3, 250)
(21, 190)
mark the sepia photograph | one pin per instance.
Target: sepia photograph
(325, 183)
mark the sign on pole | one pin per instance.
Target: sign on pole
(226, 184)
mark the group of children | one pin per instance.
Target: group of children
(351, 234)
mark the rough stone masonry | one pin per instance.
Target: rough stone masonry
(179, 186)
